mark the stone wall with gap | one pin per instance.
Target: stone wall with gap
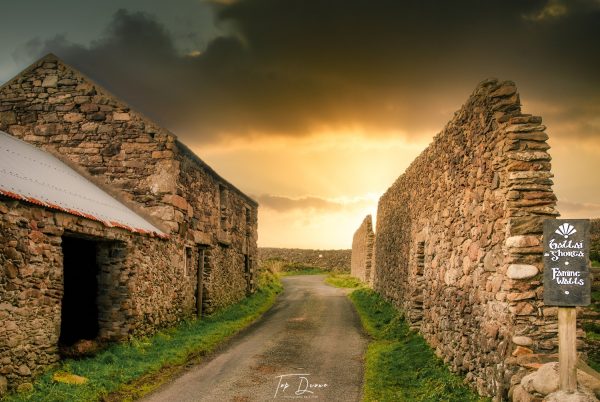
(58, 109)
(334, 260)
(363, 242)
(459, 241)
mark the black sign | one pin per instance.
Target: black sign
(567, 279)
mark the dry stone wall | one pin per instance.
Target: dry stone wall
(362, 251)
(458, 243)
(336, 260)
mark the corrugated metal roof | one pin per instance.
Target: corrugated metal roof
(33, 175)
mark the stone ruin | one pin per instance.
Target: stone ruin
(458, 242)
(138, 282)
(363, 244)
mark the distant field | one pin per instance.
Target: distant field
(285, 268)
(343, 281)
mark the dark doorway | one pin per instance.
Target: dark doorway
(79, 314)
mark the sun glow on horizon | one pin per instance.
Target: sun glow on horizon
(316, 190)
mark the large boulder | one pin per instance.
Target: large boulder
(545, 382)
(581, 395)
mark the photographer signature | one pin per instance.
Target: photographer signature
(298, 383)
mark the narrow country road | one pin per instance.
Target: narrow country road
(308, 346)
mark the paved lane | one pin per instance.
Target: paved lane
(308, 346)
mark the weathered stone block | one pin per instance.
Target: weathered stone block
(121, 116)
(46, 129)
(8, 118)
(529, 156)
(522, 340)
(73, 117)
(523, 241)
(529, 175)
(521, 271)
(50, 81)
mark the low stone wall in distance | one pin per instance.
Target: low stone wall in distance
(335, 260)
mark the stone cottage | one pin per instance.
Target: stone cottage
(458, 241)
(107, 221)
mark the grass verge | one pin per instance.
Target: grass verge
(302, 270)
(285, 268)
(400, 366)
(136, 368)
(343, 281)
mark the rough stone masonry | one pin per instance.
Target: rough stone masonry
(458, 241)
(143, 283)
(332, 260)
(363, 243)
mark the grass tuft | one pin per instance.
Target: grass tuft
(343, 281)
(296, 268)
(400, 366)
(138, 367)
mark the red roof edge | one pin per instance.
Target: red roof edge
(32, 200)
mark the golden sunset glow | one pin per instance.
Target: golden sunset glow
(316, 124)
(316, 189)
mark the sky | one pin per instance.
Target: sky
(315, 107)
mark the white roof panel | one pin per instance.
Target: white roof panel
(31, 174)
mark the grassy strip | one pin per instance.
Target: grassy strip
(296, 268)
(400, 366)
(304, 271)
(343, 281)
(121, 364)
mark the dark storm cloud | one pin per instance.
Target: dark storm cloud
(291, 67)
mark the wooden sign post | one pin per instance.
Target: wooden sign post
(567, 285)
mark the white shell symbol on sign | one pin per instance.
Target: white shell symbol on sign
(565, 230)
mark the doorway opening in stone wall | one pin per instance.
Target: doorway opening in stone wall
(248, 274)
(201, 271)
(79, 309)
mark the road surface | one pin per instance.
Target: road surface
(310, 345)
